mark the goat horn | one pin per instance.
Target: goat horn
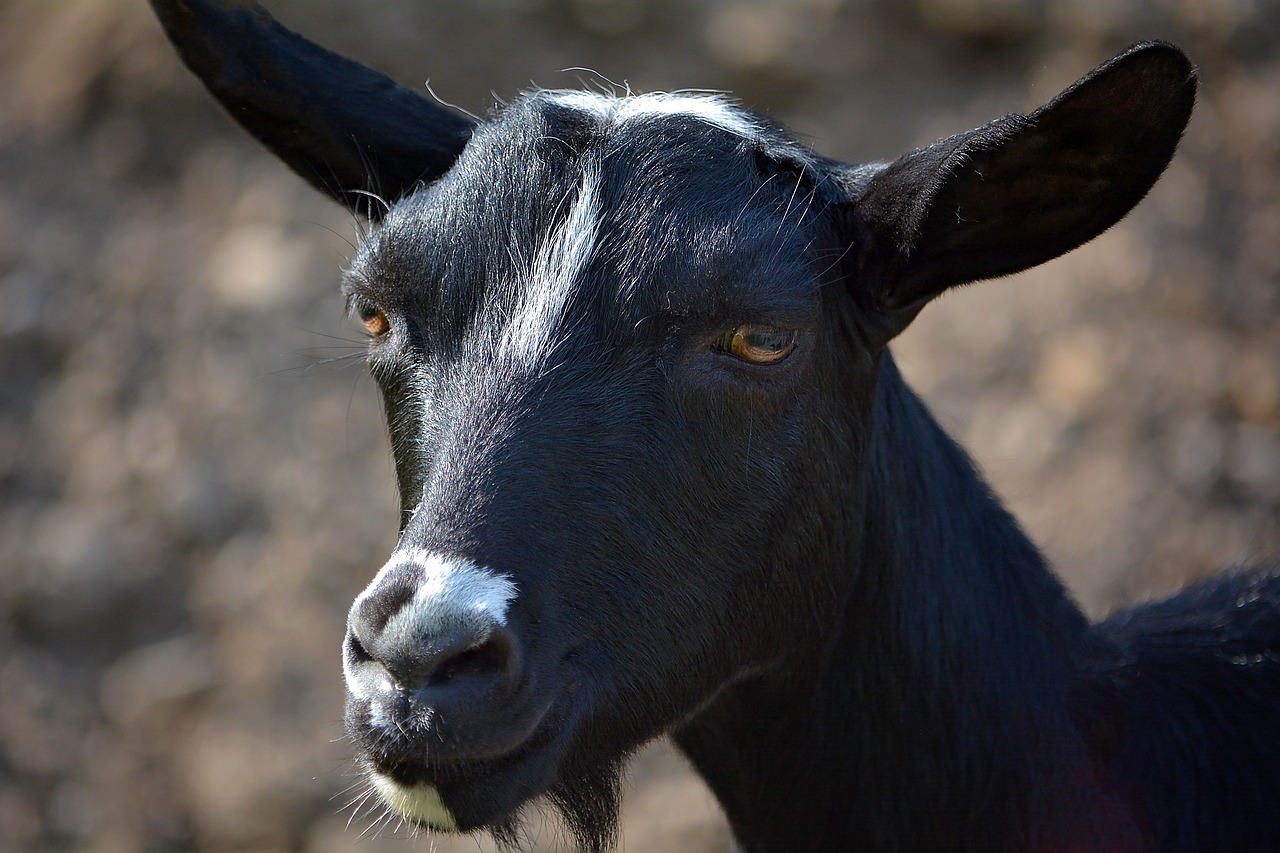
(348, 130)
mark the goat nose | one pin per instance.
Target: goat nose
(436, 662)
(428, 621)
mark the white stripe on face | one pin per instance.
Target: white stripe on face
(708, 108)
(559, 265)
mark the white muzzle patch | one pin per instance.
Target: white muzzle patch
(418, 803)
(452, 596)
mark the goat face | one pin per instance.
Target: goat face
(604, 353)
(628, 352)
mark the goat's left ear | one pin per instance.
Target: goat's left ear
(1022, 189)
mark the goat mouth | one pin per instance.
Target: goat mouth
(464, 796)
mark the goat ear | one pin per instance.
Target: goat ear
(349, 131)
(1022, 189)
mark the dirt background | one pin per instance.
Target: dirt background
(193, 477)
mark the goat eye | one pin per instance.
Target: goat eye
(758, 344)
(373, 318)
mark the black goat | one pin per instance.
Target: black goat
(659, 475)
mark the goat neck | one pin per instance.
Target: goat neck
(934, 714)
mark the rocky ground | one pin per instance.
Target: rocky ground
(193, 477)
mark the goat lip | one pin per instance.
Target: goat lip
(488, 791)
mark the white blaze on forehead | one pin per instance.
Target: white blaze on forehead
(452, 594)
(537, 323)
(558, 266)
(419, 803)
(709, 108)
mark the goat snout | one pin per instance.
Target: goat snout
(454, 727)
(429, 622)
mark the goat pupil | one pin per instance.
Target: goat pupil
(371, 316)
(758, 344)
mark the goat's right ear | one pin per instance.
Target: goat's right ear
(351, 132)
(1022, 189)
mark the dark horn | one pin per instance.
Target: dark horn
(345, 128)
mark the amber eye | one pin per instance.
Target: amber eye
(758, 344)
(371, 317)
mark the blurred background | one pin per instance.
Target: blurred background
(194, 481)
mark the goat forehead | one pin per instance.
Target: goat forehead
(529, 155)
(660, 189)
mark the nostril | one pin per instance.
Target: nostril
(409, 664)
(490, 658)
(365, 675)
(427, 622)
(358, 653)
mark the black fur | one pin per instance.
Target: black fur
(789, 568)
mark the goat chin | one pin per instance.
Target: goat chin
(418, 803)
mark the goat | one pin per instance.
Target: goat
(659, 475)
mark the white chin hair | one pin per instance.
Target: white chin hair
(419, 803)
